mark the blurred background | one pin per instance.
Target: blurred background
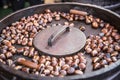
(9, 6)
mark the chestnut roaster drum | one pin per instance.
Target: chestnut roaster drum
(71, 40)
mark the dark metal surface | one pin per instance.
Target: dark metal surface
(67, 43)
(102, 13)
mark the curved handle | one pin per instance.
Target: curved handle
(55, 35)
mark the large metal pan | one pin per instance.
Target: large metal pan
(96, 11)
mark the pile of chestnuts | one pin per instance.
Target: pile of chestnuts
(103, 48)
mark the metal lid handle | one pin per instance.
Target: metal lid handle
(58, 33)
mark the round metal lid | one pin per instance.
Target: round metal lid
(60, 40)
